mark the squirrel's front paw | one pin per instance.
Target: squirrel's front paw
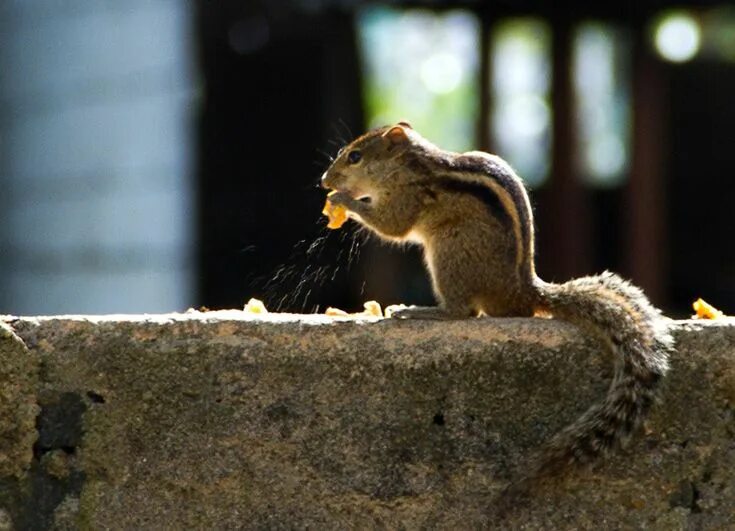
(346, 200)
(340, 198)
(394, 310)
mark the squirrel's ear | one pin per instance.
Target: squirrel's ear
(405, 124)
(396, 134)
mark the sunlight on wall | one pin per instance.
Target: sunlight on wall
(521, 83)
(602, 103)
(422, 67)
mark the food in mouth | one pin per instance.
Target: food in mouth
(337, 214)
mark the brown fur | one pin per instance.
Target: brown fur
(471, 214)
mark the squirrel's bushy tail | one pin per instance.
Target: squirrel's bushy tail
(620, 314)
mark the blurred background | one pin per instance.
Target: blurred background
(157, 155)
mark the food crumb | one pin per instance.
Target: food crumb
(705, 310)
(255, 306)
(372, 309)
(337, 214)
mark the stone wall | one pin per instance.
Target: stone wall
(225, 420)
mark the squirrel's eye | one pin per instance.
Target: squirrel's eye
(354, 156)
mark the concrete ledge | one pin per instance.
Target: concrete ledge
(225, 420)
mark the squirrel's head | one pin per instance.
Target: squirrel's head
(363, 166)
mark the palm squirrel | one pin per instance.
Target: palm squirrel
(471, 214)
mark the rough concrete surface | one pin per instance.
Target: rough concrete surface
(225, 420)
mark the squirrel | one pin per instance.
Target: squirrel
(471, 214)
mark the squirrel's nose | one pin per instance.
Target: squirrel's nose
(324, 180)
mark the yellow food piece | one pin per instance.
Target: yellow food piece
(337, 214)
(255, 306)
(705, 310)
(373, 309)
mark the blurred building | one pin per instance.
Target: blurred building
(97, 150)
